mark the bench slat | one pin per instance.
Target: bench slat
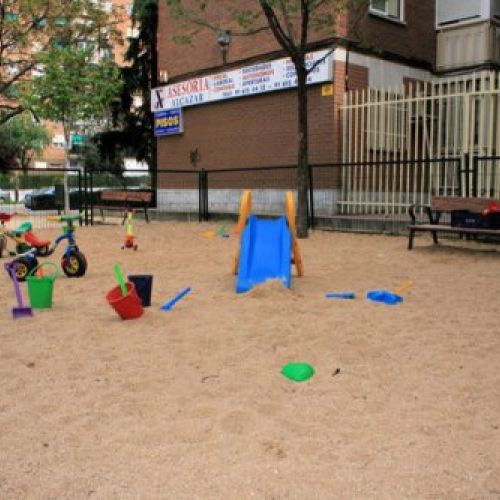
(450, 203)
(113, 195)
(453, 229)
(138, 196)
(125, 200)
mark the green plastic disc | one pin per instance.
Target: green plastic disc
(299, 372)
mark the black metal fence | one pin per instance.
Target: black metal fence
(40, 193)
(371, 196)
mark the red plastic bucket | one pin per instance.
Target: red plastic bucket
(128, 307)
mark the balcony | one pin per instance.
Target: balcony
(468, 33)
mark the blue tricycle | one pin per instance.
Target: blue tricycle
(73, 261)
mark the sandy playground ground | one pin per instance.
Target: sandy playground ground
(191, 403)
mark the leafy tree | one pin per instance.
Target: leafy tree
(22, 139)
(134, 116)
(139, 77)
(30, 28)
(106, 151)
(73, 89)
(291, 22)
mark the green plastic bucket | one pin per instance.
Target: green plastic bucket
(40, 288)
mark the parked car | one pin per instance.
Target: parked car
(4, 196)
(45, 199)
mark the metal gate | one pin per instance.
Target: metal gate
(418, 132)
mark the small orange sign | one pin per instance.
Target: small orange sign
(327, 90)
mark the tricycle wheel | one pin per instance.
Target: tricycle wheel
(23, 267)
(75, 265)
(3, 244)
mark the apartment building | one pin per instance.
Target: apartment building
(468, 35)
(53, 155)
(239, 104)
(447, 124)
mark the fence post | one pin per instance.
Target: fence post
(79, 196)
(91, 179)
(86, 215)
(466, 171)
(205, 174)
(475, 176)
(311, 197)
(154, 185)
(442, 180)
(202, 195)
(88, 196)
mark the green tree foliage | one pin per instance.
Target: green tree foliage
(72, 89)
(106, 151)
(142, 54)
(21, 140)
(291, 22)
(30, 28)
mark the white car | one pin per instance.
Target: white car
(4, 196)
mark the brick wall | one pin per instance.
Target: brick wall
(414, 39)
(204, 51)
(262, 130)
(251, 131)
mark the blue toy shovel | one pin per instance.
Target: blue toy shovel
(341, 295)
(171, 303)
(387, 297)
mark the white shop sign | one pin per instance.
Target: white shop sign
(249, 80)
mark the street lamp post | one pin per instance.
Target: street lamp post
(224, 39)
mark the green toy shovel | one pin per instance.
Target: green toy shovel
(121, 281)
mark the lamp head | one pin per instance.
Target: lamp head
(224, 38)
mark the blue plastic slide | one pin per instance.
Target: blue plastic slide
(266, 246)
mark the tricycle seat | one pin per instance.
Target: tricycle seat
(25, 227)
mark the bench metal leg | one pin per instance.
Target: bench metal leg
(435, 237)
(146, 214)
(410, 239)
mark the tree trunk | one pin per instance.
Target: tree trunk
(303, 160)
(67, 164)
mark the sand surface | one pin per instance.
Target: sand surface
(191, 403)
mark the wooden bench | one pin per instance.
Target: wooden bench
(125, 201)
(448, 204)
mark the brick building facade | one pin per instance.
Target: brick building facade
(261, 129)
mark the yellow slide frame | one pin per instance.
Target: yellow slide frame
(290, 216)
